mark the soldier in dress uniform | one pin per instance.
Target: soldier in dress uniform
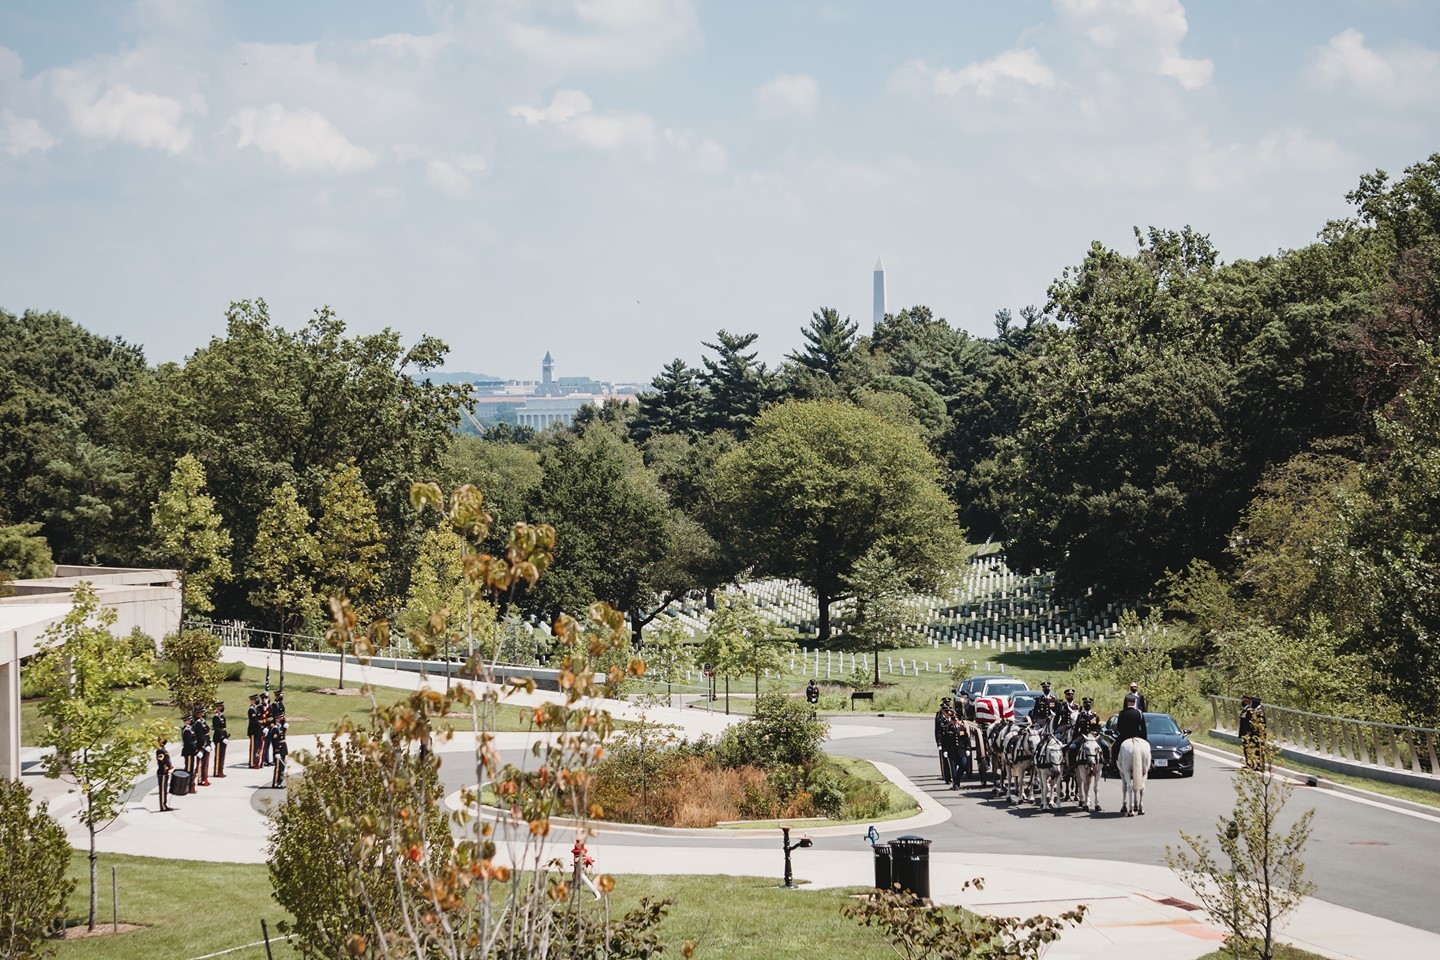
(957, 752)
(280, 751)
(265, 729)
(187, 746)
(1067, 710)
(1252, 731)
(1043, 712)
(202, 749)
(252, 730)
(164, 766)
(219, 735)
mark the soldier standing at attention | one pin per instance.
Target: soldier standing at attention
(264, 729)
(219, 734)
(281, 751)
(202, 749)
(187, 746)
(164, 766)
(252, 730)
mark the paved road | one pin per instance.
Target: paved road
(1369, 858)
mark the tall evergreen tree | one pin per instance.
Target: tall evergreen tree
(828, 352)
(673, 406)
(737, 387)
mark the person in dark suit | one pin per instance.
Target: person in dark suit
(1139, 697)
(219, 735)
(164, 766)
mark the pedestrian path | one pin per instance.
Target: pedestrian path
(1135, 910)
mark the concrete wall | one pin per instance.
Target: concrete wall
(148, 599)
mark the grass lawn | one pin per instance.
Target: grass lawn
(308, 711)
(1282, 952)
(189, 909)
(185, 909)
(1401, 792)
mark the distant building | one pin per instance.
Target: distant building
(558, 399)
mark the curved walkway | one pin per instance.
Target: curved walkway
(1138, 910)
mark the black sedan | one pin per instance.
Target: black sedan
(1170, 749)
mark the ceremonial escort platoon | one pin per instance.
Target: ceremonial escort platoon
(1056, 753)
(203, 745)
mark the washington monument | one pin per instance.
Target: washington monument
(879, 292)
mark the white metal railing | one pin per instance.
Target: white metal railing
(1389, 745)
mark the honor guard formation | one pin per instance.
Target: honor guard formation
(203, 741)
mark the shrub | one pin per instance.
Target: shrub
(33, 884)
(781, 731)
(142, 645)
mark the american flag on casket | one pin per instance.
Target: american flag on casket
(991, 709)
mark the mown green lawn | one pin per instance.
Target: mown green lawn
(188, 909)
(307, 711)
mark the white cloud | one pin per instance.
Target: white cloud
(452, 174)
(1010, 71)
(706, 156)
(302, 140)
(1401, 75)
(123, 113)
(1145, 34)
(576, 34)
(426, 47)
(20, 135)
(789, 91)
(564, 105)
(571, 113)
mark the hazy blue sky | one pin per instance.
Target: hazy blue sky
(615, 180)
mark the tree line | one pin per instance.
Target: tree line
(1248, 448)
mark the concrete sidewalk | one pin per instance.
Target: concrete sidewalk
(1135, 910)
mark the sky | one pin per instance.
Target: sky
(614, 181)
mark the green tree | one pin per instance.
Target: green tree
(820, 367)
(351, 546)
(24, 554)
(723, 645)
(610, 518)
(262, 405)
(34, 888)
(1265, 880)
(439, 598)
(282, 565)
(89, 504)
(669, 653)
(196, 680)
(313, 865)
(878, 584)
(736, 387)
(95, 723)
(190, 535)
(673, 406)
(820, 483)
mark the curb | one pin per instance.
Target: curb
(1322, 783)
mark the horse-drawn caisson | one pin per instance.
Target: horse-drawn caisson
(1054, 755)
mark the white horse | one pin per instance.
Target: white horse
(1049, 772)
(998, 739)
(1087, 773)
(1020, 762)
(1134, 764)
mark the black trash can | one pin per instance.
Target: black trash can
(883, 875)
(179, 783)
(910, 865)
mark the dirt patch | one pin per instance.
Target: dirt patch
(82, 932)
(342, 692)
